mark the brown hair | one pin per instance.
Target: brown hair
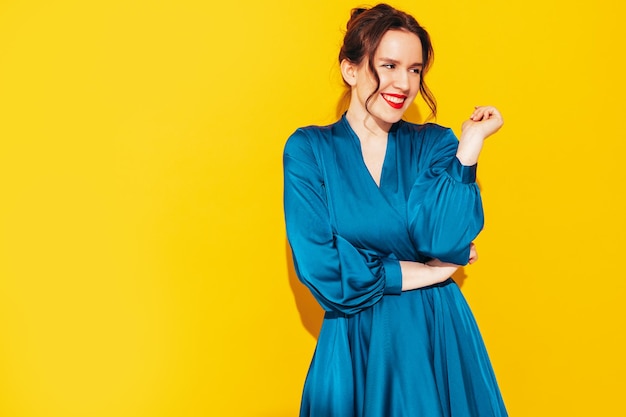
(364, 31)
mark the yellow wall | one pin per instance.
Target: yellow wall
(143, 263)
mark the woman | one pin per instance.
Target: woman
(380, 213)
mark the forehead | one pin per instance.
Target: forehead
(400, 45)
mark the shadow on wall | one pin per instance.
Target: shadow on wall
(311, 314)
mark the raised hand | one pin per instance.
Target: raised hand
(484, 122)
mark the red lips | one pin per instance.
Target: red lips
(398, 104)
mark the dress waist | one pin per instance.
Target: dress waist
(329, 315)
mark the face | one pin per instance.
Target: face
(398, 62)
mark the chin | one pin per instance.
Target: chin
(395, 118)
(389, 117)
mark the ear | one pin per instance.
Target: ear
(349, 72)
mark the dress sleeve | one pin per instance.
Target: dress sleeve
(340, 276)
(445, 207)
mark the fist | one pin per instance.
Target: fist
(484, 121)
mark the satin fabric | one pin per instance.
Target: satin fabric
(382, 352)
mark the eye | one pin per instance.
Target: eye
(389, 66)
(416, 70)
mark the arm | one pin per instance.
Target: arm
(444, 206)
(417, 275)
(340, 276)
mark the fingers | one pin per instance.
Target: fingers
(473, 253)
(485, 113)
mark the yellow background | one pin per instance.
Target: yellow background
(143, 263)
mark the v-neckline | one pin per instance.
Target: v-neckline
(388, 151)
(378, 183)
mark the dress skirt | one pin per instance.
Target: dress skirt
(417, 355)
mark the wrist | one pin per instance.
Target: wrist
(469, 149)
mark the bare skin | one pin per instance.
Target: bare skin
(484, 122)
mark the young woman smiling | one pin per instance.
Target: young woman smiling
(380, 213)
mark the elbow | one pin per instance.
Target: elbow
(449, 242)
(448, 250)
(331, 295)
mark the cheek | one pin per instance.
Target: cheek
(417, 83)
(385, 82)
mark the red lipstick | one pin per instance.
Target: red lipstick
(394, 104)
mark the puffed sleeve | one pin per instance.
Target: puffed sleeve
(445, 207)
(340, 276)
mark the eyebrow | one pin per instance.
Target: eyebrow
(395, 61)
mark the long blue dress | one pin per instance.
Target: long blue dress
(382, 352)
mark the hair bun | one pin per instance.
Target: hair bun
(357, 11)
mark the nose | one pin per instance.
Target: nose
(401, 81)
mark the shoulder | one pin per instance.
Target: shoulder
(305, 139)
(426, 131)
(430, 135)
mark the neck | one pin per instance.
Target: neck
(366, 126)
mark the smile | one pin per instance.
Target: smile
(394, 100)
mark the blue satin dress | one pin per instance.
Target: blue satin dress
(382, 352)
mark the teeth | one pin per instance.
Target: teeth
(397, 100)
